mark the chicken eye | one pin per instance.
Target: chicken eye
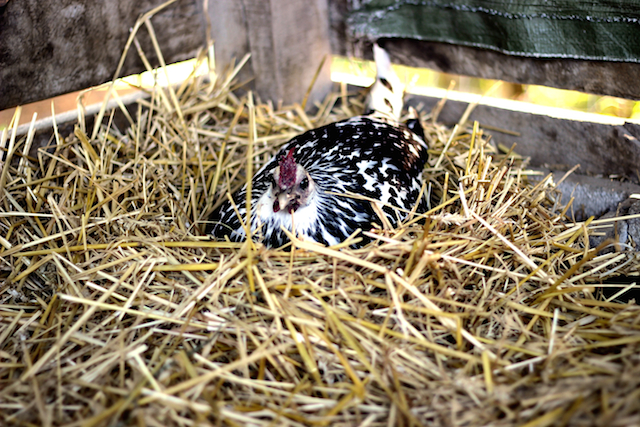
(304, 184)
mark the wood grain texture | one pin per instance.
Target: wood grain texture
(558, 144)
(51, 48)
(599, 77)
(287, 40)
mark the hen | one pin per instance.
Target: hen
(325, 182)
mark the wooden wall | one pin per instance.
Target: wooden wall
(50, 48)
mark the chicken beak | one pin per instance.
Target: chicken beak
(283, 200)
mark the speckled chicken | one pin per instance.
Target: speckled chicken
(325, 182)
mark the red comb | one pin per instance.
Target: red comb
(287, 171)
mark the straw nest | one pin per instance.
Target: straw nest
(115, 309)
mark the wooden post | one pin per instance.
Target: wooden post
(287, 40)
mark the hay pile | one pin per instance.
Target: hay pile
(115, 308)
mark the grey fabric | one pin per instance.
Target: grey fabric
(595, 30)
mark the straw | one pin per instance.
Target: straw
(116, 308)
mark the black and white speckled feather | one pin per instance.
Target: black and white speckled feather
(310, 183)
(367, 156)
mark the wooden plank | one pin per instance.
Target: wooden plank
(287, 40)
(558, 144)
(599, 77)
(51, 48)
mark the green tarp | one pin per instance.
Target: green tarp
(596, 30)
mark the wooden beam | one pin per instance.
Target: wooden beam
(599, 77)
